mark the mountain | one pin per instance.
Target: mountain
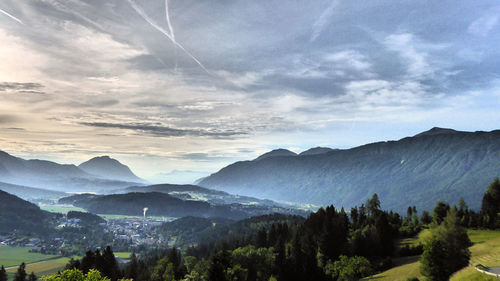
(316, 150)
(109, 168)
(439, 164)
(30, 193)
(50, 175)
(20, 215)
(275, 153)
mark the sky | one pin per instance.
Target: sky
(178, 89)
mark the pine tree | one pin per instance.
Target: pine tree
(3, 274)
(21, 273)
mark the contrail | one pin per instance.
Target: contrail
(168, 34)
(167, 12)
(320, 23)
(12, 17)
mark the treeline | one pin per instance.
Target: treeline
(328, 245)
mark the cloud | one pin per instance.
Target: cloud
(16, 86)
(164, 131)
(483, 25)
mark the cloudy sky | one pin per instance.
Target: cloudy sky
(179, 89)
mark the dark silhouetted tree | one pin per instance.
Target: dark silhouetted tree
(21, 273)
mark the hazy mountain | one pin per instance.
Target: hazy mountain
(20, 215)
(440, 164)
(30, 193)
(50, 175)
(275, 153)
(316, 150)
(109, 168)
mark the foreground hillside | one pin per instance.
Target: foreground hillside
(440, 164)
(19, 215)
(485, 250)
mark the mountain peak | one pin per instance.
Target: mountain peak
(437, 131)
(316, 151)
(275, 153)
(108, 168)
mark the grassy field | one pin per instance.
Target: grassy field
(44, 267)
(62, 209)
(123, 255)
(14, 256)
(485, 251)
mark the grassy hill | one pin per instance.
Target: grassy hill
(485, 250)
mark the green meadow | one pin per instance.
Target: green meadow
(485, 250)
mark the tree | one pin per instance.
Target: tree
(3, 274)
(163, 271)
(349, 268)
(491, 204)
(32, 277)
(77, 275)
(426, 217)
(447, 251)
(440, 212)
(373, 205)
(21, 273)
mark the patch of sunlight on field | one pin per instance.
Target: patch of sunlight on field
(44, 267)
(61, 209)
(405, 267)
(123, 255)
(14, 256)
(485, 251)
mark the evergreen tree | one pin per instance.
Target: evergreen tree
(21, 273)
(132, 268)
(448, 250)
(440, 212)
(491, 204)
(109, 265)
(426, 217)
(3, 274)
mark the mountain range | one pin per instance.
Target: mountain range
(439, 164)
(97, 174)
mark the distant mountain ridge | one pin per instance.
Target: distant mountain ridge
(439, 164)
(108, 168)
(61, 177)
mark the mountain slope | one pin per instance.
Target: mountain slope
(28, 193)
(20, 215)
(436, 165)
(108, 168)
